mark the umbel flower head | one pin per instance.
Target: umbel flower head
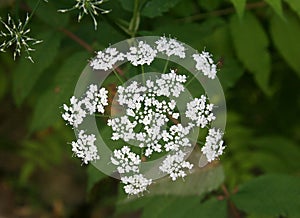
(17, 36)
(154, 117)
(89, 7)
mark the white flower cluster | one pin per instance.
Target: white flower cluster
(175, 164)
(213, 147)
(205, 63)
(143, 53)
(200, 111)
(106, 59)
(84, 148)
(170, 47)
(135, 184)
(127, 163)
(147, 121)
(93, 101)
(145, 110)
(150, 119)
(126, 160)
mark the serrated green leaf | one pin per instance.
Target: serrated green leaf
(155, 8)
(286, 35)
(26, 73)
(251, 45)
(276, 195)
(295, 5)
(93, 176)
(47, 110)
(276, 5)
(239, 6)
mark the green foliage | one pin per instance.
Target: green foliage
(295, 5)
(251, 42)
(94, 176)
(63, 87)
(276, 5)
(199, 182)
(285, 34)
(239, 6)
(274, 195)
(154, 8)
(27, 74)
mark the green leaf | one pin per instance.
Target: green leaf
(127, 4)
(169, 206)
(48, 10)
(230, 73)
(239, 6)
(155, 8)
(177, 207)
(201, 181)
(211, 208)
(26, 73)
(276, 195)
(94, 176)
(251, 45)
(286, 35)
(276, 5)
(295, 5)
(47, 110)
(196, 32)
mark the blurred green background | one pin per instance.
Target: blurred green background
(257, 47)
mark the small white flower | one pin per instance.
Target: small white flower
(84, 148)
(142, 54)
(170, 47)
(213, 146)
(199, 111)
(170, 84)
(93, 101)
(125, 160)
(135, 184)
(17, 36)
(75, 113)
(90, 7)
(205, 63)
(105, 60)
(175, 165)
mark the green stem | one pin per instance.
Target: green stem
(189, 82)
(118, 76)
(166, 65)
(143, 74)
(32, 13)
(135, 20)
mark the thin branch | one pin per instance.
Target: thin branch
(232, 208)
(77, 39)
